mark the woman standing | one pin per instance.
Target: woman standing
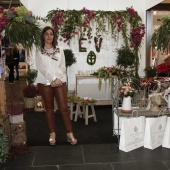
(51, 83)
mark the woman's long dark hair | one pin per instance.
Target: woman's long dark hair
(54, 43)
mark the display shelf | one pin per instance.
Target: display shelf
(140, 103)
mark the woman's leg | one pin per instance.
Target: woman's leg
(47, 94)
(61, 98)
(17, 72)
(11, 72)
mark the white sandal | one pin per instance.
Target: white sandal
(71, 139)
(52, 140)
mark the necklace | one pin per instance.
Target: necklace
(50, 52)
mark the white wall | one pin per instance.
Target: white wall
(151, 3)
(106, 57)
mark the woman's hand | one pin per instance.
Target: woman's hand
(56, 83)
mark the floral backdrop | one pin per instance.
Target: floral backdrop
(126, 24)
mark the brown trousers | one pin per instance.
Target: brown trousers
(48, 94)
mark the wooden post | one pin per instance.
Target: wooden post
(2, 97)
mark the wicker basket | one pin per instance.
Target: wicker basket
(29, 103)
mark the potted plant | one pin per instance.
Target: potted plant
(70, 60)
(31, 75)
(29, 92)
(125, 57)
(23, 23)
(14, 110)
(150, 71)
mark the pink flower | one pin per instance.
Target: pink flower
(86, 98)
(125, 93)
(30, 12)
(1, 9)
(12, 9)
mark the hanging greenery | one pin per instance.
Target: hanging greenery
(98, 44)
(160, 38)
(69, 23)
(18, 25)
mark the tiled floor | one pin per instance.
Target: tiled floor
(90, 157)
(87, 157)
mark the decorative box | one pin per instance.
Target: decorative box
(16, 118)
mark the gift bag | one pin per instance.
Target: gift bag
(154, 132)
(132, 133)
(166, 138)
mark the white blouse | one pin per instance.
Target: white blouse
(50, 64)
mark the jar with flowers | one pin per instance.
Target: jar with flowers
(127, 92)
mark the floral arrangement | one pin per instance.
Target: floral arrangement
(88, 100)
(14, 108)
(20, 21)
(30, 91)
(84, 100)
(127, 90)
(145, 83)
(108, 72)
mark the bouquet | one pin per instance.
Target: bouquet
(127, 90)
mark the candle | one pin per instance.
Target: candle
(39, 104)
